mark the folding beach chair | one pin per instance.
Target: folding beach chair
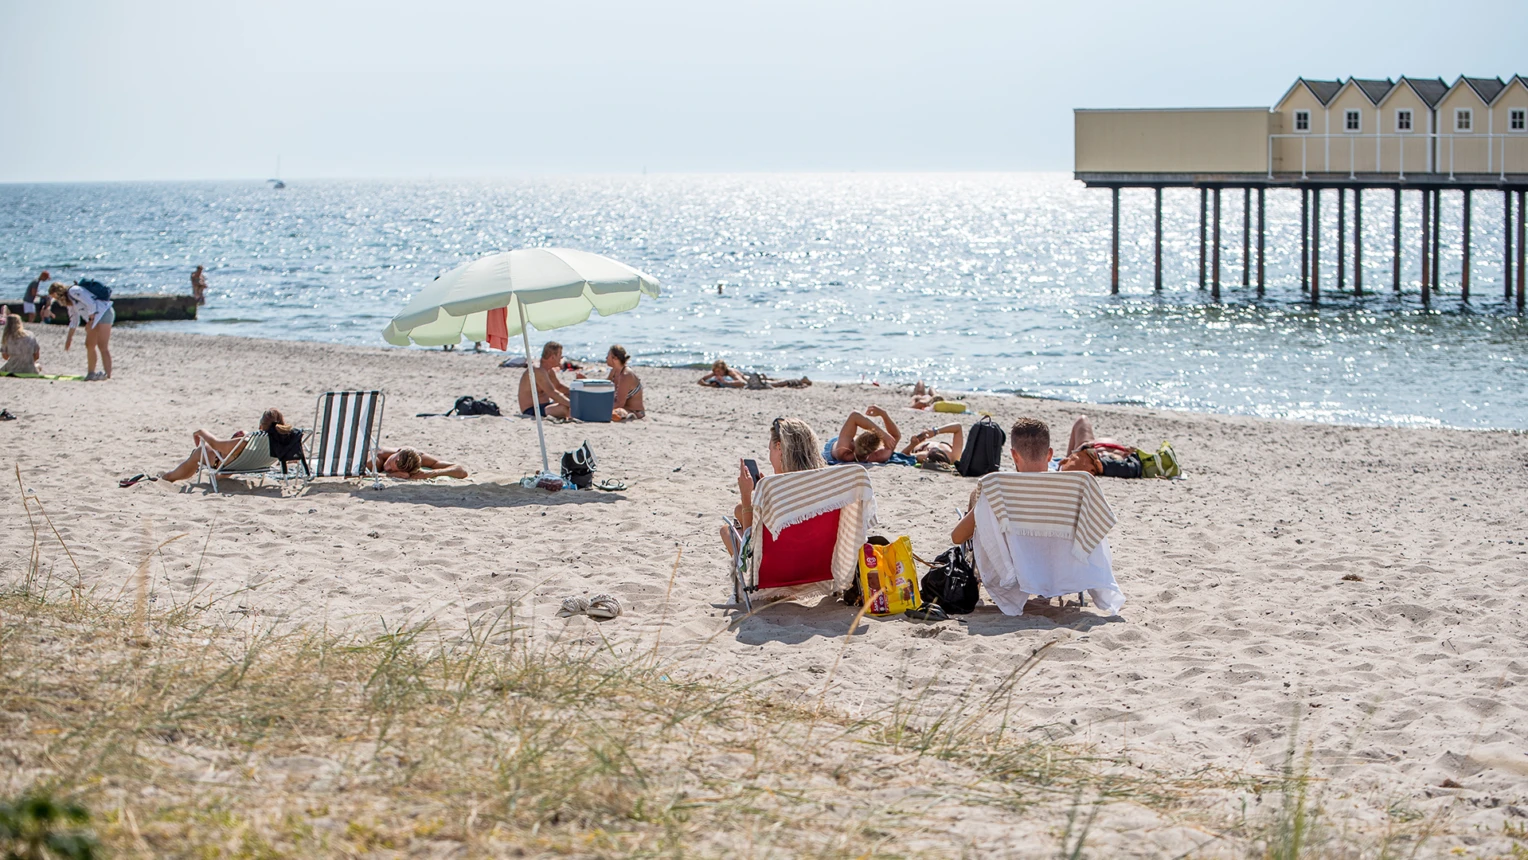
(808, 528)
(252, 459)
(349, 430)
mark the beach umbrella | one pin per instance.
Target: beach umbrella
(499, 296)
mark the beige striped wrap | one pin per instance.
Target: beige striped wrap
(1050, 504)
(781, 501)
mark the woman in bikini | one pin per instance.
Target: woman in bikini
(628, 388)
(722, 376)
(930, 450)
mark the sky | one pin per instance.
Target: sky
(219, 90)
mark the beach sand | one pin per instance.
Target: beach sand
(1367, 581)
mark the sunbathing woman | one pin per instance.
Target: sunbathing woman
(793, 447)
(411, 464)
(628, 388)
(215, 450)
(873, 444)
(929, 450)
(722, 376)
(1107, 458)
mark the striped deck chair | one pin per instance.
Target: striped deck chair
(252, 459)
(349, 429)
(807, 531)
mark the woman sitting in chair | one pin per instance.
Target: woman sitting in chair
(217, 451)
(793, 447)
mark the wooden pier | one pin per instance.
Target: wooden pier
(1347, 244)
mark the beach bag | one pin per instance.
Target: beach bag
(1162, 464)
(578, 466)
(469, 405)
(951, 582)
(101, 292)
(984, 449)
(888, 580)
(286, 447)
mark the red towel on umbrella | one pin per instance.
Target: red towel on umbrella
(498, 328)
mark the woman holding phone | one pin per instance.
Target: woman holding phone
(793, 447)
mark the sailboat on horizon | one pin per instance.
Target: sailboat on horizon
(277, 183)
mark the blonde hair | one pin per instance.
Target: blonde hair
(13, 328)
(408, 460)
(865, 444)
(799, 448)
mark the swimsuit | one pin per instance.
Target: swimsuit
(531, 410)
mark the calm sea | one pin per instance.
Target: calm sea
(995, 282)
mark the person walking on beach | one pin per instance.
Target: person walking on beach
(554, 395)
(98, 315)
(29, 298)
(199, 285)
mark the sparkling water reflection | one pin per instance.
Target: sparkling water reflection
(992, 282)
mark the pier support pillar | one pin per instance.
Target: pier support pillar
(1159, 240)
(1342, 238)
(1246, 259)
(1437, 236)
(1358, 241)
(1114, 248)
(1261, 224)
(1215, 283)
(1464, 272)
(1304, 240)
(1426, 246)
(1506, 242)
(1395, 260)
(1315, 245)
(1522, 239)
(1204, 215)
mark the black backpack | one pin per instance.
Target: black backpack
(469, 405)
(286, 447)
(951, 582)
(984, 449)
(578, 466)
(97, 289)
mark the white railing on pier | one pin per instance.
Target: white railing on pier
(1437, 146)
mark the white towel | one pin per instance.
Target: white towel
(781, 501)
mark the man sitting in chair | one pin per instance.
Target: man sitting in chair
(1015, 560)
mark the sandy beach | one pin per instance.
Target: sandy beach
(1365, 581)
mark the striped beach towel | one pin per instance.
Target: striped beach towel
(781, 501)
(349, 427)
(1050, 504)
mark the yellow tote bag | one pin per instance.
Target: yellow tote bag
(888, 578)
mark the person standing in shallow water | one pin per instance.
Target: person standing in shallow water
(199, 285)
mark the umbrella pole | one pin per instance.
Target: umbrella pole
(525, 336)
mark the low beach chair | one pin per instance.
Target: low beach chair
(251, 459)
(807, 531)
(1044, 534)
(349, 430)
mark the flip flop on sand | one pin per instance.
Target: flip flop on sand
(930, 612)
(572, 606)
(5, 415)
(603, 607)
(611, 485)
(128, 482)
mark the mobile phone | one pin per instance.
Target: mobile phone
(753, 469)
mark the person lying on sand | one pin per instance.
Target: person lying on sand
(554, 395)
(218, 450)
(929, 450)
(411, 464)
(793, 447)
(722, 376)
(873, 444)
(1106, 458)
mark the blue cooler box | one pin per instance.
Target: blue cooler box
(592, 399)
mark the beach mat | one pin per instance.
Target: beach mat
(43, 376)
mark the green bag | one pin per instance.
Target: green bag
(1162, 464)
